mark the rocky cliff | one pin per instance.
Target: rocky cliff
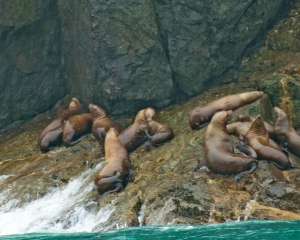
(123, 56)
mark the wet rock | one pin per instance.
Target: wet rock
(276, 191)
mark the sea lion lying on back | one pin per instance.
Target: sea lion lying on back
(102, 123)
(257, 137)
(286, 134)
(200, 116)
(75, 127)
(53, 132)
(219, 152)
(157, 133)
(129, 137)
(117, 171)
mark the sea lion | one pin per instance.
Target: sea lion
(286, 134)
(129, 137)
(219, 151)
(240, 129)
(200, 116)
(258, 138)
(157, 133)
(75, 127)
(51, 139)
(102, 123)
(269, 127)
(74, 108)
(117, 171)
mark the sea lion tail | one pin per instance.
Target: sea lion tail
(76, 141)
(114, 178)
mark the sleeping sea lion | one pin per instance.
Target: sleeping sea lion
(286, 134)
(157, 133)
(76, 127)
(102, 123)
(200, 116)
(117, 171)
(129, 137)
(74, 108)
(257, 137)
(219, 151)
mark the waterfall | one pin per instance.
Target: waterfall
(60, 209)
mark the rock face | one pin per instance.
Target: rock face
(123, 56)
(30, 73)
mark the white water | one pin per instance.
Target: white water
(57, 210)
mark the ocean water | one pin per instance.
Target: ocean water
(262, 230)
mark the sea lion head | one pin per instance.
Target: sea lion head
(97, 111)
(244, 118)
(279, 113)
(75, 104)
(198, 118)
(222, 118)
(145, 115)
(150, 114)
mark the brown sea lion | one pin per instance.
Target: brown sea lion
(76, 127)
(117, 171)
(51, 139)
(74, 108)
(219, 151)
(286, 134)
(129, 137)
(269, 127)
(200, 116)
(257, 137)
(241, 128)
(102, 123)
(157, 133)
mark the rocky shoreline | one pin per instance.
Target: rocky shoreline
(169, 187)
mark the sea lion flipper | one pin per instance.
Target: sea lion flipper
(242, 139)
(254, 165)
(100, 133)
(249, 151)
(202, 125)
(294, 165)
(119, 188)
(78, 140)
(147, 145)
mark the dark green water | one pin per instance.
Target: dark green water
(241, 230)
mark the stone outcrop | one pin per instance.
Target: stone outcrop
(122, 56)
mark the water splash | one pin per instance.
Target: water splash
(57, 210)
